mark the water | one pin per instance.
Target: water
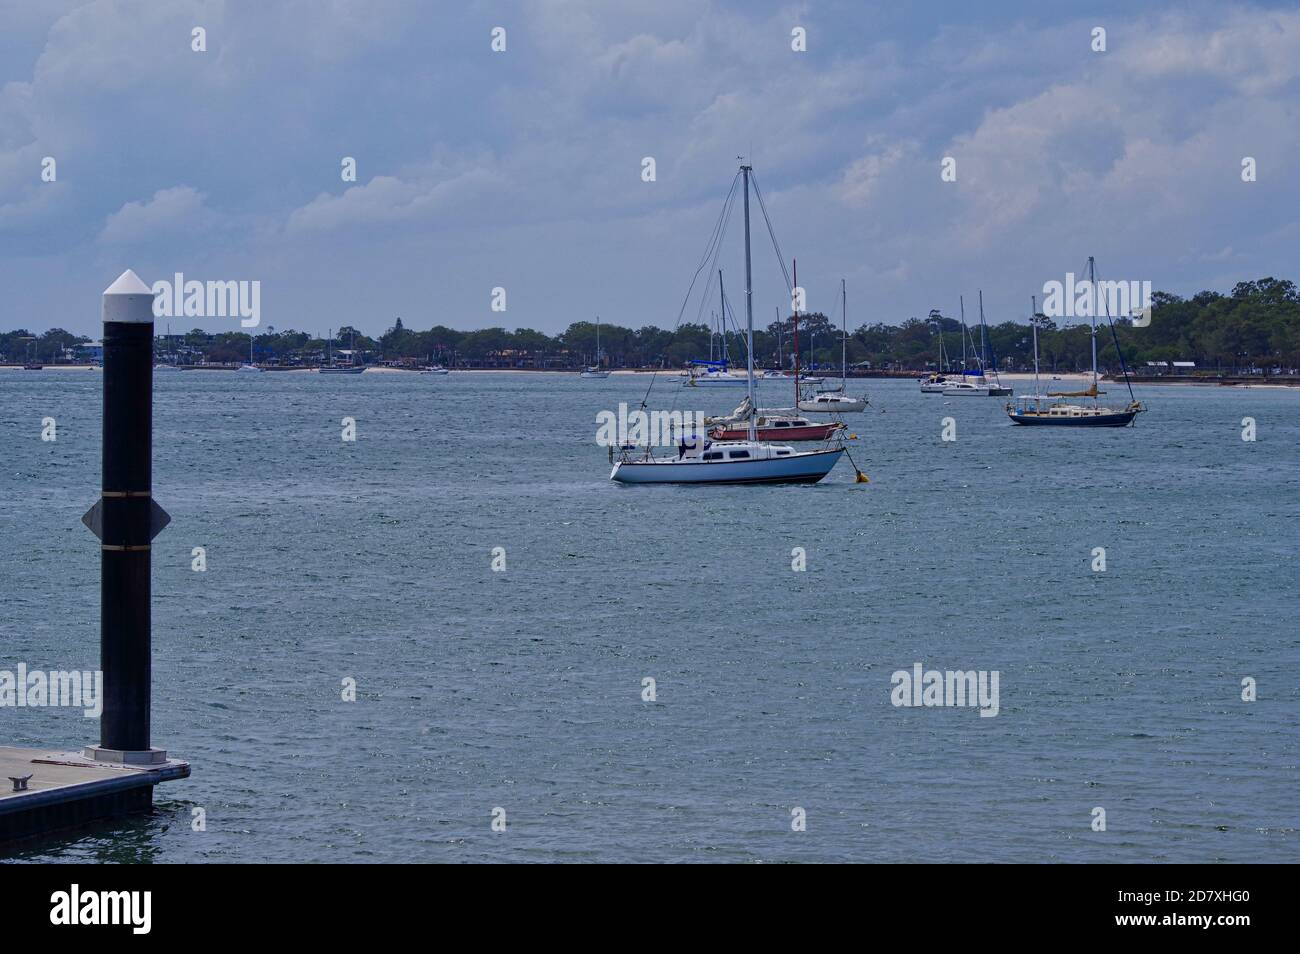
(522, 690)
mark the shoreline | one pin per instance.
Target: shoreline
(1013, 377)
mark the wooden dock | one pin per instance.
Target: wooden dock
(68, 789)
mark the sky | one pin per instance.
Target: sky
(522, 169)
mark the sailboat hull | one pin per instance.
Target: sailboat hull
(1114, 419)
(806, 468)
(809, 432)
(718, 382)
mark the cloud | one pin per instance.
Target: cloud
(170, 211)
(523, 168)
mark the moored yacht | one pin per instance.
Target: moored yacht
(1039, 410)
(780, 428)
(595, 371)
(700, 461)
(730, 462)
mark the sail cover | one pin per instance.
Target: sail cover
(740, 415)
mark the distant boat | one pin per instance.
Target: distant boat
(770, 425)
(936, 381)
(974, 384)
(749, 461)
(33, 367)
(837, 400)
(781, 429)
(163, 366)
(713, 374)
(249, 368)
(433, 369)
(832, 402)
(331, 368)
(1036, 410)
(596, 371)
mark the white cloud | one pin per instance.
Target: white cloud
(170, 211)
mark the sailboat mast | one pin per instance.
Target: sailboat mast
(749, 314)
(984, 346)
(1092, 277)
(961, 302)
(598, 341)
(844, 341)
(780, 359)
(722, 316)
(1033, 320)
(795, 309)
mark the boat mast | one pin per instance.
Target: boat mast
(1092, 278)
(749, 313)
(780, 359)
(722, 319)
(984, 347)
(844, 341)
(961, 302)
(796, 335)
(598, 341)
(1033, 321)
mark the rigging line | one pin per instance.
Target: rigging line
(707, 294)
(718, 243)
(1114, 337)
(771, 232)
(714, 240)
(735, 323)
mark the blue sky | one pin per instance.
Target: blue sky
(522, 169)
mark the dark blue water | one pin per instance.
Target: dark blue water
(522, 689)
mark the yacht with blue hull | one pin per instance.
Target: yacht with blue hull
(730, 462)
(700, 461)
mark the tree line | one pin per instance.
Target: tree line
(1256, 325)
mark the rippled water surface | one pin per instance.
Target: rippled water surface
(523, 689)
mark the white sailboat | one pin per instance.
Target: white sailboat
(164, 366)
(837, 400)
(700, 461)
(936, 381)
(976, 383)
(249, 368)
(596, 371)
